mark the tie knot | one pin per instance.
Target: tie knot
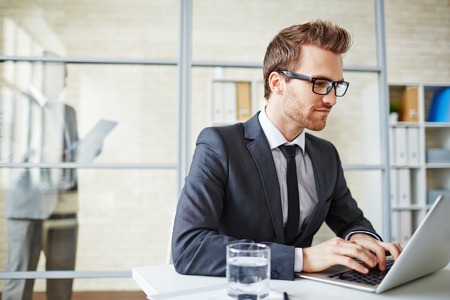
(288, 151)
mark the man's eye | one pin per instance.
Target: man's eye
(322, 83)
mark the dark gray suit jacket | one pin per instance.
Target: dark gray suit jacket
(232, 193)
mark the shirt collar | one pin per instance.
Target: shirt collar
(275, 137)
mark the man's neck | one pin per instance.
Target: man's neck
(289, 131)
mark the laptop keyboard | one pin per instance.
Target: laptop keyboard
(374, 277)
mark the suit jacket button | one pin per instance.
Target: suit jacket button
(274, 275)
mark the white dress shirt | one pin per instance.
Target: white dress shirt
(305, 174)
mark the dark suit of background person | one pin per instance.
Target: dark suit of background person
(233, 191)
(41, 204)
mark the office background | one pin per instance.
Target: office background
(123, 63)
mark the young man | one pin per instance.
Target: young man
(236, 188)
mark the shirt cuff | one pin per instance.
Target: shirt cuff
(362, 231)
(298, 259)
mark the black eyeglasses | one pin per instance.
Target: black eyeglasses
(320, 86)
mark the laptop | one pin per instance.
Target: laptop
(427, 251)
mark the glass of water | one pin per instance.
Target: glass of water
(248, 270)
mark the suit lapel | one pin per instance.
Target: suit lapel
(317, 163)
(262, 155)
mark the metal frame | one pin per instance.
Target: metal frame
(384, 116)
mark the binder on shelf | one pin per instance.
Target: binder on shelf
(413, 147)
(395, 228)
(217, 102)
(440, 106)
(244, 101)
(409, 105)
(404, 187)
(230, 102)
(400, 148)
(405, 226)
(392, 145)
(224, 102)
(394, 187)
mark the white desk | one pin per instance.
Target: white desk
(155, 280)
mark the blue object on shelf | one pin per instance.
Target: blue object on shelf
(440, 106)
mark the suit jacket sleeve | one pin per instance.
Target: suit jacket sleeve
(213, 209)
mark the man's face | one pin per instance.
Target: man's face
(301, 105)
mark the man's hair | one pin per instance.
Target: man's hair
(284, 51)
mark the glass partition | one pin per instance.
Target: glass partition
(135, 29)
(121, 217)
(66, 65)
(241, 30)
(139, 117)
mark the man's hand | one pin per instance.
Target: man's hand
(378, 248)
(341, 252)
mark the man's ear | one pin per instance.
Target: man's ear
(276, 83)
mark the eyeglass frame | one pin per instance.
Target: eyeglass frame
(333, 84)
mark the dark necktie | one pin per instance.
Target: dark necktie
(293, 197)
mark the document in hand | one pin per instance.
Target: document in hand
(91, 145)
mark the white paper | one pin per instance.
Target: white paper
(91, 145)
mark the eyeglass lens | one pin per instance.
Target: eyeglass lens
(323, 87)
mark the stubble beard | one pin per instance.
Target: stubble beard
(302, 115)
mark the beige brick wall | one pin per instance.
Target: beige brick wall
(417, 41)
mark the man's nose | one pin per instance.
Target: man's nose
(330, 98)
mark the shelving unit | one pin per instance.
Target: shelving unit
(235, 100)
(419, 156)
